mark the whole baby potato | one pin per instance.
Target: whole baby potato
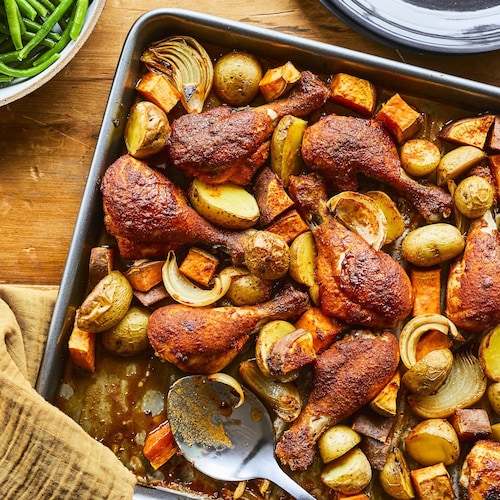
(129, 336)
(473, 196)
(236, 77)
(248, 289)
(267, 255)
(146, 130)
(493, 394)
(106, 304)
(432, 244)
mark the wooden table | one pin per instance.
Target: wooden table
(47, 139)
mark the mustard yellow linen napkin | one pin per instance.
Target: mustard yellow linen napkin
(44, 453)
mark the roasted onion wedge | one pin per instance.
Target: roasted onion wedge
(188, 66)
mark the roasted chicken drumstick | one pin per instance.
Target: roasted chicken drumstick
(473, 291)
(206, 340)
(227, 144)
(348, 375)
(341, 147)
(357, 284)
(148, 214)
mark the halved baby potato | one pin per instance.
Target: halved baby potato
(489, 354)
(302, 267)
(227, 205)
(395, 221)
(337, 441)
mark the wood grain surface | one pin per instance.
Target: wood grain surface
(47, 138)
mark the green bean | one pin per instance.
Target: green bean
(27, 9)
(49, 23)
(15, 29)
(27, 72)
(41, 9)
(34, 26)
(81, 8)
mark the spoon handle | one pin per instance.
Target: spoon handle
(288, 484)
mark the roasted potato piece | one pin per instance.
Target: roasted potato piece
(285, 147)
(494, 166)
(433, 483)
(277, 81)
(395, 476)
(156, 87)
(471, 423)
(457, 161)
(271, 197)
(419, 157)
(489, 353)
(433, 441)
(101, 263)
(354, 93)
(199, 266)
(303, 259)
(106, 304)
(267, 255)
(129, 337)
(468, 131)
(349, 474)
(227, 205)
(146, 130)
(248, 289)
(337, 441)
(429, 373)
(493, 393)
(236, 77)
(144, 274)
(473, 196)
(495, 432)
(401, 119)
(433, 244)
(288, 225)
(82, 345)
(395, 221)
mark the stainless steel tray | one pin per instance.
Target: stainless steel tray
(154, 25)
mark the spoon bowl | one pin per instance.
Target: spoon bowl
(223, 439)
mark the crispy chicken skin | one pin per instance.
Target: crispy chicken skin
(148, 214)
(473, 290)
(341, 147)
(357, 284)
(347, 376)
(206, 340)
(227, 144)
(480, 475)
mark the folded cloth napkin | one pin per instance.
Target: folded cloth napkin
(44, 453)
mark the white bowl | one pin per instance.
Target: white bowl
(22, 87)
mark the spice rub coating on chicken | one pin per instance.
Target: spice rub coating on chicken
(231, 144)
(206, 340)
(341, 147)
(357, 284)
(148, 214)
(348, 375)
(473, 290)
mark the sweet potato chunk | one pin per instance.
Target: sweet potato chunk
(144, 275)
(354, 93)
(385, 402)
(271, 196)
(471, 423)
(199, 266)
(494, 164)
(426, 284)
(101, 263)
(276, 81)
(433, 483)
(156, 88)
(82, 346)
(494, 141)
(468, 131)
(324, 328)
(160, 445)
(288, 225)
(401, 119)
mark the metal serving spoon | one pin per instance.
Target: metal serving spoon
(224, 442)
